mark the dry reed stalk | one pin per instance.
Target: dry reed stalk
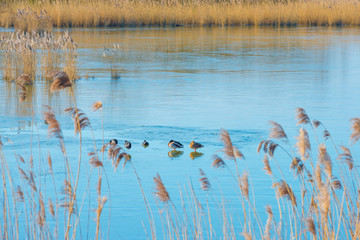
(60, 81)
(161, 191)
(269, 221)
(217, 162)
(324, 200)
(302, 117)
(325, 160)
(205, 183)
(19, 194)
(51, 208)
(311, 226)
(228, 146)
(96, 106)
(355, 135)
(54, 129)
(267, 167)
(347, 157)
(303, 144)
(80, 119)
(277, 131)
(94, 160)
(244, 185)
(284, 190)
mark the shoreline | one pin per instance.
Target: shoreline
(204, 14)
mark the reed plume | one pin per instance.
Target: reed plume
(67, 202)
(267, 146)
(20, 158)
(96, 106)
(94, 160)
(60, 81)
(98, 211)
(19, 194)
(267, 167)
(244, 185)
(228, 146)
(41, 216)
(217, 162)
(325, 159)
(303, 144)
(205, 183)
(277, 131)
(49, 162)
(98, 186)
(161, 191)
(54, 129)
(316, 123)
(301, 116)
(324, 199)
(335, 183)
(297, 165)
(284, 190)
(51, 208)
(269, 220)
(311, 226)
(326, 134)
(347, 157)
(80, 119)
(355, 135)
(24, 80)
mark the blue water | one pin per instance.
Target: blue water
(186, 84)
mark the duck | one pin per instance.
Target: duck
(127, 144)
(145, 144)
(195, 145)
(113, 141)
(174, 144)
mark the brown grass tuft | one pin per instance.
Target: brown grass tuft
(205, 183)
(303, 144)
(284, 190)
(96, 106)
(301, 116)
(80, 119)
(60, 81)
(217, 162)
(277, 131)
(161, 191)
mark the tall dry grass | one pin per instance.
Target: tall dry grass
(189, 13)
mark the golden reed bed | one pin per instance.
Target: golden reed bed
(191, 13)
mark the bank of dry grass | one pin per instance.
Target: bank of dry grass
(194, 13)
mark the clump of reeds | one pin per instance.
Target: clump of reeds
(20, 51)
(113, 58)
(29, 20)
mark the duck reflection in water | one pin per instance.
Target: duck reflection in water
(195, 154)
(175, 153)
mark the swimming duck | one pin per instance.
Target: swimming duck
(174, 144)
(113, 141)
(145, 144)
(127, 144)
(195, 145)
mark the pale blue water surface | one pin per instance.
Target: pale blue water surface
(186, 84)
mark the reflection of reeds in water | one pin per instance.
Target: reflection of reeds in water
(113, 58)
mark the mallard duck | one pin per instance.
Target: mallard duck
(113, 141)
(127, 144)
(145, 144)
(174, 144)
(195, 145)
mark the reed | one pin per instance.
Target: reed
(100, 13)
